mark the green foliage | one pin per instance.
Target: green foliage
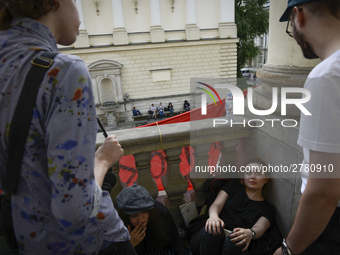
(252, 20)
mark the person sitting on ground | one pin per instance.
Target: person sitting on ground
(239, 208)
(151, 226)
(161, 110)
(136, 112)
(170, 108)
(153, 111)
(186, 105)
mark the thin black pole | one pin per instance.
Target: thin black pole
(102, 128)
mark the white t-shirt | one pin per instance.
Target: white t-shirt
(153, 108)
(321, 131)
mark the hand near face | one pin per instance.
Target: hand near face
(241, 236)
(137, 235)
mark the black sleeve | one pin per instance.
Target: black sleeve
(176, 244)
(231, 186)
(269, 213)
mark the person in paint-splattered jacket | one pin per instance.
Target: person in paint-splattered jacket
(59, 207)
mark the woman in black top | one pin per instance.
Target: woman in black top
(186, 105)
(170, 108)
(239, 208)
(151, 226)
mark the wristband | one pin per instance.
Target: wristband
(285, 249)
(253, 233)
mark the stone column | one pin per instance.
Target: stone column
(83, 37)
(97, 79)
(144, 178)
(227, 27)
(119, 88)
(192, 32)
(197, 180)
(174, 183)
(286, 66)
(120, 36)
(156, 31)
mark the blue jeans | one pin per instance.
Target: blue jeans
(171, 111)
(329, 241)
(203, 243)
(161, 114)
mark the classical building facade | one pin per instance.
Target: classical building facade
(141, 52)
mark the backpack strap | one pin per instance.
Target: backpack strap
(22, 119)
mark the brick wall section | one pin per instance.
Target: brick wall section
(202, 59)
(228, 61)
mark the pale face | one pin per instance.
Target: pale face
(300, 38)
(68, 22)
(254, 179)
(141, 217)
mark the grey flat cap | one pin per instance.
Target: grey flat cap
(134, 199)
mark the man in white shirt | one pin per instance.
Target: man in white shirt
(315, 25)
(153, 110)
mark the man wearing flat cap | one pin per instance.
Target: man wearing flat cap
(315, 25)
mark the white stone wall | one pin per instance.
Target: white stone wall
(204, 59)
(214, 19)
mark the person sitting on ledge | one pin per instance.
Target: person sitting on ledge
(186, 105)
(161, 110)
(151, 226)
(239, 208)
(153, 111)
(170, 108)
(136, 112)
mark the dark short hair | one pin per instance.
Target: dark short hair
(324, 7)
(33, 9)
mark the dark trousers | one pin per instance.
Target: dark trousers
(329, 241)
(119, 248)
(203, 243)
(161, 114)
(136, 113)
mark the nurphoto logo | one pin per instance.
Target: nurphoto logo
(204, 97)
(238, 103)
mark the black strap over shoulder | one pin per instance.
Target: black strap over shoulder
(22, 119)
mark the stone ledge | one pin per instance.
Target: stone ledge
(177, 135)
